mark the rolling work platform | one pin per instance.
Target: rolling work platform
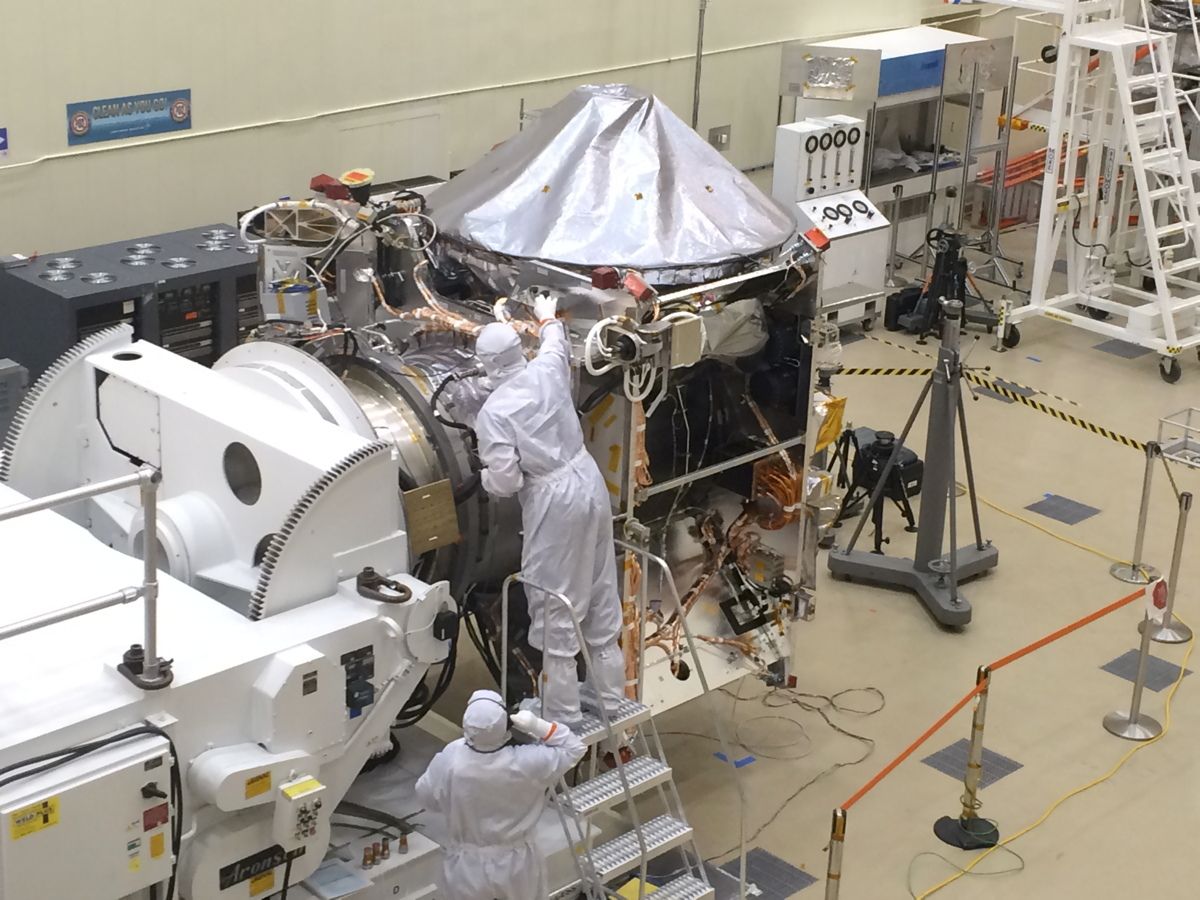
(1122, 210)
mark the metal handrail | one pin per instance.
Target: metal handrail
(604, 716)
(722, 738)
(146, 479)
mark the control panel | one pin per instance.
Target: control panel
(818, 156)
(299, 811)
(840, 215)
(186, 318)
(99, 819)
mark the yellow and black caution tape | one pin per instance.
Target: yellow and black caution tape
(1070, 419)
(1026, 387)
(880, 340)
(1008, 393)
(884, 371)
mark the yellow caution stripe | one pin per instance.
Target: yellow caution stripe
(1070, 419)
(880, 340)
(882, 371)
(972, 374)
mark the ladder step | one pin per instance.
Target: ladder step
(1157, 156)
(683, 888)
(629, 713)
(1171, 190)
(623, 854)
(1185, 266)
(1173, 228)
(642, 773)
(1158, 115)
(1156, 79)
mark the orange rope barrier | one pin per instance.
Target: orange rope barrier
(1063, 632)
(933, 729)
(998, 664)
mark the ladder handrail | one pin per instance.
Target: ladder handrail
(604, 716)
(726, 746)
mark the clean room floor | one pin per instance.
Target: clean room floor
(1128, 837)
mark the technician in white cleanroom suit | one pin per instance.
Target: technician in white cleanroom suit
(531, 444)
(492, 795)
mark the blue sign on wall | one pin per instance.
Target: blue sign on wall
(125, 117)
(3, 142)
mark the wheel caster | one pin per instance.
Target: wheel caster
(1170, 370)
(1100, 315)
(1012, 337)
(868, 324)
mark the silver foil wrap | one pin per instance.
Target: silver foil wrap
(608, 176)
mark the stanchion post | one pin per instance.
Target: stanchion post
(837, 843)
(968, 831)
(1135, 725)
(1172, 631)
(1136, 571)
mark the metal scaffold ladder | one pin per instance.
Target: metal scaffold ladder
(599, 867)
(1119, 200)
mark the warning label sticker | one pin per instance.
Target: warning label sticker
(256, 785)
(29, 819)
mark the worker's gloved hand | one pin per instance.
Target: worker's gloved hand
(545, 308)
(532, 725)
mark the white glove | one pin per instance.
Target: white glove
(532, 725)
(545, 308)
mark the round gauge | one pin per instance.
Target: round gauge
(830, 213)
(811, 143)
(845, 211)
(839, 139)
(854, 135)
(860, 207)
(826, 141)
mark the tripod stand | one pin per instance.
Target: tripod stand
(932, 575)
(872, 450)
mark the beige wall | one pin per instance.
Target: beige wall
(407, 87)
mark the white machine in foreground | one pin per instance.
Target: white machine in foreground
(296, 633)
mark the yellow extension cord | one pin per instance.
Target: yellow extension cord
(1091, 784)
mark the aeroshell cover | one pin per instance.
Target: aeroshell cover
(610, 176)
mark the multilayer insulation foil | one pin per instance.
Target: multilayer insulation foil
(610, 176)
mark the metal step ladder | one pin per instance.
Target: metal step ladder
(601, 867)
(1130, 205)
(1159, 166)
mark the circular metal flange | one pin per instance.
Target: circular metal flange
(1144, 728)
(1143, 574)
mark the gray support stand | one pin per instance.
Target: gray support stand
(1171, 630)
(1135, 725)
(932, 575)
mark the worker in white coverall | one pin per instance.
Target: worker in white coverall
(492, 794)
(531, 444)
